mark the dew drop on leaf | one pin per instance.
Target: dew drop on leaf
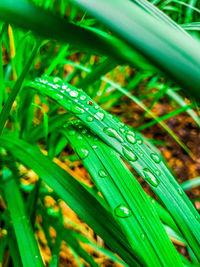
(139, 141)
(113, 133)
(83, 97)
(76, 109)
(82, 152)
(99, 116)
(155, 157)
(102, 173)
(122, 211)
(129, 154)
(180, 191)
(150, 177)
(89, 118)
(142, 236)
(131, 139)
(122, 130)
(73, 93)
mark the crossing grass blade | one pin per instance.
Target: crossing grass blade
(132, 148)
(80, 198)
(95, 74)
(173, 52)
(187, 185)
(27, 244)
(139, 222)
(66, 235)
(52, 26)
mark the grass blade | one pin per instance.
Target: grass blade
(143, 229)
(8, 105)
(175, 53)
(77, 196)
(133, 149)
(27, 244)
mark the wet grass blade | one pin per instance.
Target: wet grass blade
(135, 100)
(133, 149)
(27, 244)
(128, 202)
(77, 196)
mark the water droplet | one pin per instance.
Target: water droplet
(150, 177)
(155, 157)
(139, 141)
(89, 118)
(130, 155)
(113, 133)
(82, 152)
(56, 80)
(36, 256)
(96, 107)
(59, 96)
(157, 172)
(122, 130)
(83, 97)
(131, 139)
(71, 132)
(94, 146)
(65, 87)
(73, 93)
(122, 211)
(142, 236)
(79, 137)
(99, 116)
(180, 191)
(141, 154)
(76, 109)
(102, 173)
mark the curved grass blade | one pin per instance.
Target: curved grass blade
(133, 149)
(140, 223)
(66, 235)
(140, 104)
(175, 53)
(27, 244)
(157, 13)
(187, 185)
(176, 97)
(192, 26)
(76, 195)
(8, 105)
(51, 26)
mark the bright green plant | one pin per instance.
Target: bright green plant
(133, 225)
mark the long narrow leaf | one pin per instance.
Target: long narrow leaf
(133, 149)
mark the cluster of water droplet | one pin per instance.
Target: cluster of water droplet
(80, 104)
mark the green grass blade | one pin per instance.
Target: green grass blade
(165, 117)
(133, 149)
(8, 105)
(175, 53)
(157, 13)
(77, 196)
(142, 227)
(27, 244)
(176, 97)
(187, 185)
(51, 26)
